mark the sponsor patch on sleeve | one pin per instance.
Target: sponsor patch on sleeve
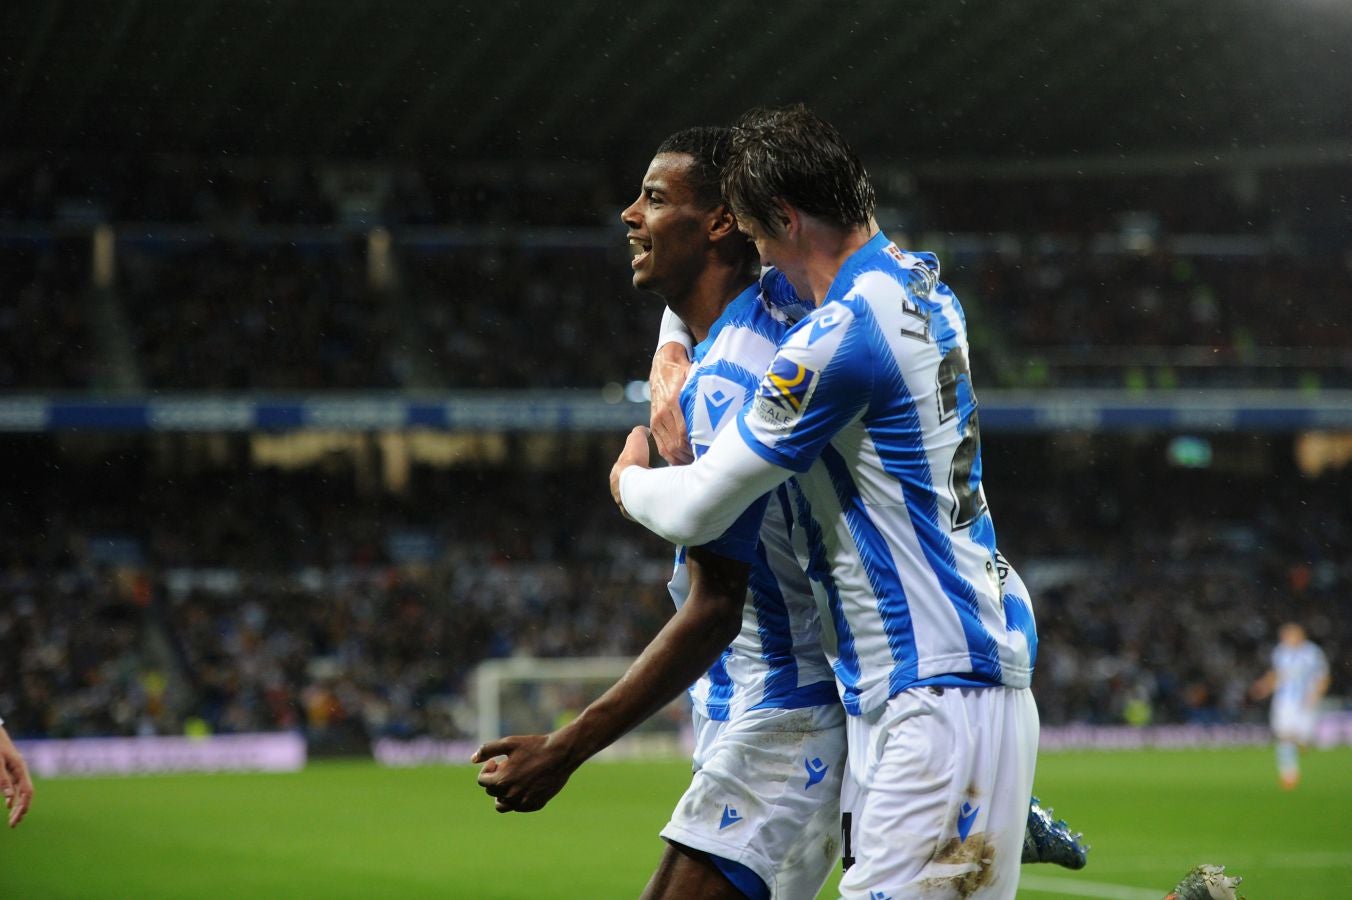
(784, 395)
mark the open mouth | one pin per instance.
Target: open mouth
(638, 251)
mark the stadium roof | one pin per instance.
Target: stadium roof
(542, 79)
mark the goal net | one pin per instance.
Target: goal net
(522, 695)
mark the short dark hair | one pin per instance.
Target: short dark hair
(794, 155)
(709, 146)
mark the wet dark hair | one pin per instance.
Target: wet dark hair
(794, 155)
(709, 146)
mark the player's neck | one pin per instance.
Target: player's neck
(709, 295)
(828, 249)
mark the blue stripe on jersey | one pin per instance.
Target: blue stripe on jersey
(1018, 617)
(720, 688)
(785, 506)
(820, 693)
(982, 531)
(893, 428)
(846, 665)
(742, 539)
(727, 369)
(883, 577)
(776, 634)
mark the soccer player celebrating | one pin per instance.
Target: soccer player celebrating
(1297, 681)
(761, 816)
(869, 405)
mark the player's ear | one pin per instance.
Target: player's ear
(787, 219)
(722, 223)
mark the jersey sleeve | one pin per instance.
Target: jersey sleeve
(697, 503)
(739, 541)
(818, 383)
(674, 331)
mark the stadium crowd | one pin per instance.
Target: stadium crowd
(1252, 321)
(136, 598)
(285, 315)
(254, 276)
(252, 599)
(46, 337)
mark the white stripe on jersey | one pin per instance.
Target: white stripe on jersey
(1297, 668)
(776, 661)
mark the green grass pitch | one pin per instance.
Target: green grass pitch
(349, 830)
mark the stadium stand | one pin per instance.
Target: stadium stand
(177, 584)
(181, 581)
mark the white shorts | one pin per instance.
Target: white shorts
(766, 794)
(1294, 722)
(936, 794)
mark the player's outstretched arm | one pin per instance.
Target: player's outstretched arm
(15, 784)
(694, 504)
(537, 766)
(1263, 687)
(1317, 692)
(670, 365)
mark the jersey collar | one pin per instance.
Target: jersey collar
(749, 296)
(855, 265)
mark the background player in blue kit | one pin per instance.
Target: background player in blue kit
(869, 403)
(1296, 682)
(761, 817)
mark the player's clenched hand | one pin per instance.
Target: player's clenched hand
(15, 784)
(535, 768)
(670, 365)
(636, 452)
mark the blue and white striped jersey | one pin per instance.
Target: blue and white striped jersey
(1297, 668)
(870, 400)
(776, 661)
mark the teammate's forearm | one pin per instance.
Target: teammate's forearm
(684, 649)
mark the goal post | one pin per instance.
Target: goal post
(526, 695)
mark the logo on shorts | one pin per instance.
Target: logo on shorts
(878, 895)
(730, 817)
(966, 816)
(816, 771)
(784, 394)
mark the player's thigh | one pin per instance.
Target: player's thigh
(767, 796)
(895, 799)
(683, 873)
(937, 794)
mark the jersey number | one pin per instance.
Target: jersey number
(969, 502)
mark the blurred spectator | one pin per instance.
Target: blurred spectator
(256, 600)
(45, 337)
(511, 274)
